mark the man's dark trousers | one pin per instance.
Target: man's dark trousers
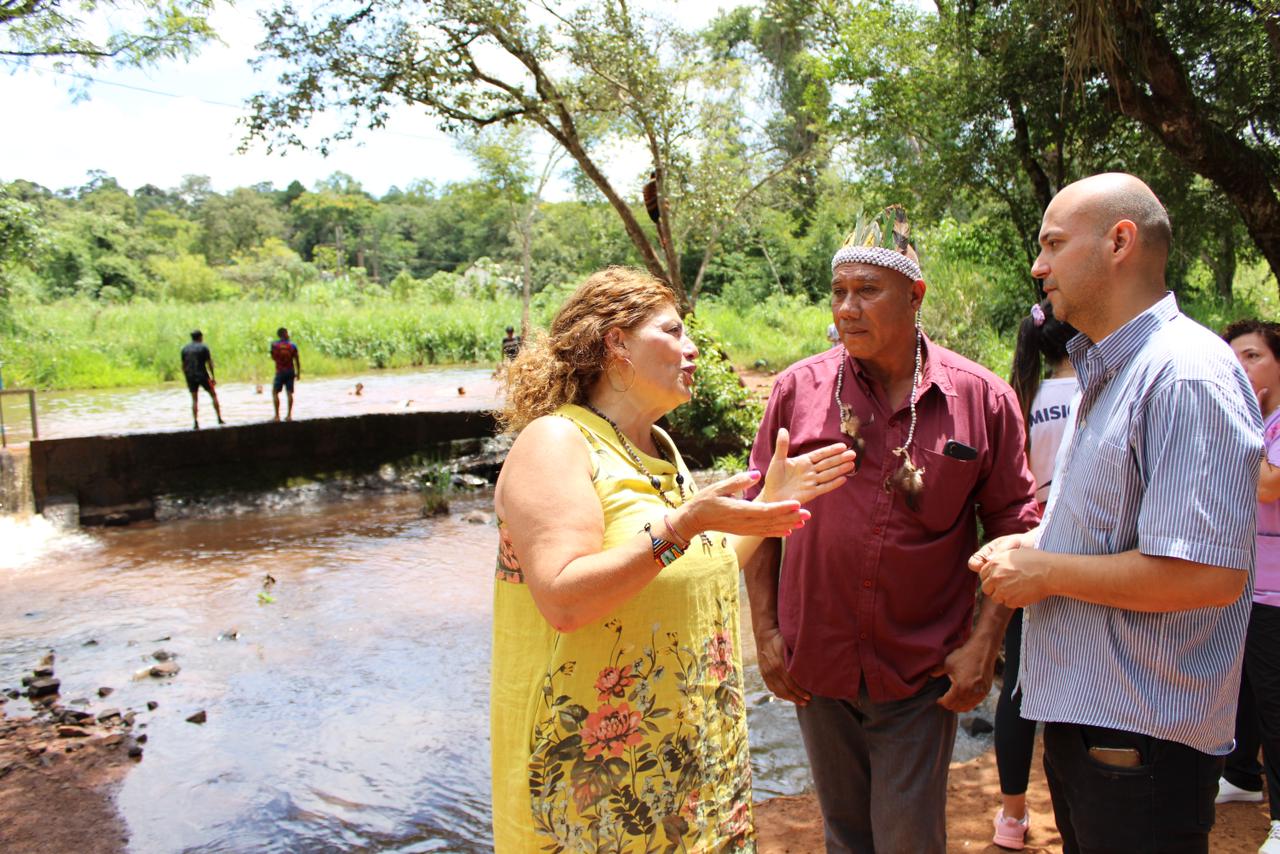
(1164, 805)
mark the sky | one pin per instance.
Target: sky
(155, 126)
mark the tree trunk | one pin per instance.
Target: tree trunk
(1158, 94)
(568, 139)
(526, 269)
(1224, 267)
(1022, 144)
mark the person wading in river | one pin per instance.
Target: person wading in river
(197, 367)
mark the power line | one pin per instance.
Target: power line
(159, 93)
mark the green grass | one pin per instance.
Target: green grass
(84, 344)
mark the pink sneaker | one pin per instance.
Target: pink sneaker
(1011, 832)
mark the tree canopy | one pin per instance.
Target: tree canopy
(94, 32)
(593, 77)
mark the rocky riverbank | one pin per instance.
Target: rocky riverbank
(59, 766)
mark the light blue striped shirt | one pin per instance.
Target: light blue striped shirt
(1164, 459)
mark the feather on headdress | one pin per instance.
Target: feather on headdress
(883, 240)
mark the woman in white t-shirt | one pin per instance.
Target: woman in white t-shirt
(1045, 383)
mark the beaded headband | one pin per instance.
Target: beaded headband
(888, 246)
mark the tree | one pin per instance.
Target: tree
(19, 235)
(67, 32)
(237, 222)
(337, 214)
(1204, 79)
(503, 157)
(590, 77)
(973, 106)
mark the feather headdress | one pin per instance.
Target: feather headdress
(883, 240)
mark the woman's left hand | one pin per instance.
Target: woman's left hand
(805, 477)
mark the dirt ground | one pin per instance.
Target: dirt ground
(794, 825)
(56, 792)
(52, 800)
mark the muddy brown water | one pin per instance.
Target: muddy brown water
(350, 713)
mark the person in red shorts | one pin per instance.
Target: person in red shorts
(288, 368)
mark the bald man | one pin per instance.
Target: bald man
(1136, 583)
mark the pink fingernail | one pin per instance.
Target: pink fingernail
(753, 474)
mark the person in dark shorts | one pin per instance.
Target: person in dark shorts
(510, 344)
(197, 367)
(288, 368)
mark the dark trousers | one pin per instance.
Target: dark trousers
(880, 770)
(1015, 735)
(1164, 805)
(1258, 716)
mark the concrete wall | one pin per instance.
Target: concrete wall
(15, 481)
(111, 471)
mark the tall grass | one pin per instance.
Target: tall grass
(86, 344)
(89, 344)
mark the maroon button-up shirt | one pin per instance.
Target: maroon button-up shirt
(871, 589)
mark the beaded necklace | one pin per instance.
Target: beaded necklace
(908, 479)
(634, 456)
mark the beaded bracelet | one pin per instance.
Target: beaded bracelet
(665, 552)
(682, 542)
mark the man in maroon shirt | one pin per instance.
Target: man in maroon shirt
(867, 625)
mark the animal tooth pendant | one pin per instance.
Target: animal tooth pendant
(851, 426)
(908, 479)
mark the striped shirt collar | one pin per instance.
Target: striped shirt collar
(1094, 361)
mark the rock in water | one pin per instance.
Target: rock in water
(198, 718)
(43, 687)
(164, 669)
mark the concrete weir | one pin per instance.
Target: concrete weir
(115, 479)
(15, 481)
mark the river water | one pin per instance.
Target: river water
(349, 713)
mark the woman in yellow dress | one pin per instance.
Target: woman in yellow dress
(617, 717)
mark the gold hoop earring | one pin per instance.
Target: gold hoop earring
(608, 372)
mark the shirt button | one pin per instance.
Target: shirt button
(876, 529)
(863, 635)
(867, 584)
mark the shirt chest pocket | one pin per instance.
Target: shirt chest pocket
(1094, 490)
(948, 489)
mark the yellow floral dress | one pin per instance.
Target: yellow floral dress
(628, 735)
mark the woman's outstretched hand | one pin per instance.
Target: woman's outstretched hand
(720, 507)
(803, 478)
